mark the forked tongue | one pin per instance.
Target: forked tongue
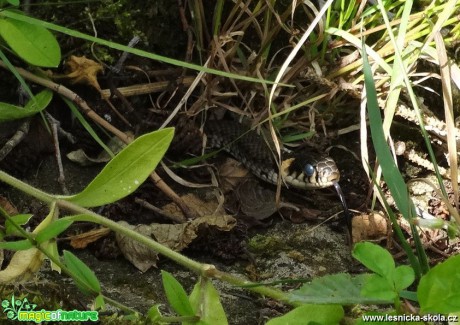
(345, 208)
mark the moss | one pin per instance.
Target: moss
(261, 244)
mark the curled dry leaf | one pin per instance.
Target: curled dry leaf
(138, 254)
(231, 173)
(176, 237)
(22, 266)
(25, 263)
(256, 201)
(80, 241)
(203, 208)
(80, 157)
(373, 226)
(83, 71)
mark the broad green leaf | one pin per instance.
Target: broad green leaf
(177, 297)
(127, 171)
(53, 230)
(403, 277)
(378, 287)
(19, 219)
(84, 277)
(439, 289)
(311, 314)
(10, 112)
(409, 295)
(375, 258)
(34, 44)
(339, 288)
(19, 245)
(206, 303)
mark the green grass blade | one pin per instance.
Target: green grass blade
(390, 171)
(87, 126)
(71, 32)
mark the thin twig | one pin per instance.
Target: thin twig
(55, 126)
(20, 134)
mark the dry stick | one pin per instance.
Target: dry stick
(66, 92)
(149, 206)
(20, 134)
(55, 125)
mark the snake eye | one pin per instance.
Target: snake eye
(309, 170)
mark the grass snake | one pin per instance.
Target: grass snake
(303, 170)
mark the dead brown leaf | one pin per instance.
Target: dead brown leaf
(80, 241)
(8, 206)
(176, 237)
(203, 208)
(373, 226)
(138, 254)
(256, 201)
(22, 266)
(231, 173)
(81, 70)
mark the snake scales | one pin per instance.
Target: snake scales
(304, 170)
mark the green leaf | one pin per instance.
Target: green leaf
(439, 289)
(375, 258)
(378, 287)
(127, 171)
(19, 245)
(52, 251)
(310, 314)
(409, 295)
(53, 230)
(403, 277)
(177, 297)
(19, 219)
(34, 44)
(99, 302)
(10, 112)
(339, 288)
(206, 303)
(84, 277)
(154, 313)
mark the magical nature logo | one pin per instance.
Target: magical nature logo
(13, 307)
(24, 311)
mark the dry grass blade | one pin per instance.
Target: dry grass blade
(448, 112)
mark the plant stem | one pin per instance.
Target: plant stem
(87, 215)
(26, 188)
(206, 270)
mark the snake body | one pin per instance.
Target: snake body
(304, 170)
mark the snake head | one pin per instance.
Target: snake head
(310, 171)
